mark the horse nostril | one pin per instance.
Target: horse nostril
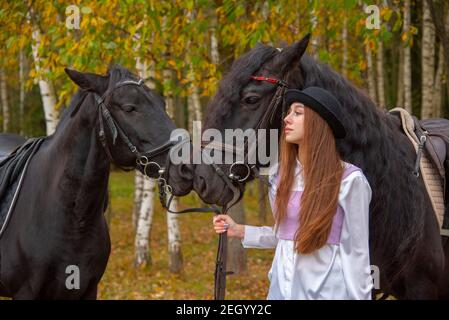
(186, 171)
(200, 184)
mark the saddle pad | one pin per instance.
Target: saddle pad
(12, 169)
(430, 175)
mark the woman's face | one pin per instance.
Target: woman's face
(294, 123)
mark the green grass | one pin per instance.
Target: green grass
(199, 244)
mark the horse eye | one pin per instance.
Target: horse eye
(251, 99)
(128, 107)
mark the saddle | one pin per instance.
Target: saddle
(430, 138)
(12, 170)
(9, 142)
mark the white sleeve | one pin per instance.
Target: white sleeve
(259, 237)
(263, 237)
(355, 198)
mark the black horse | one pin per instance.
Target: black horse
(404, 235)
(57, 229)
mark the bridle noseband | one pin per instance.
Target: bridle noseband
(265, 121)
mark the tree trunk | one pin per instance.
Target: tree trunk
(236, 253)
(344, 36)
(21, 91)
(138, 188)
(380, 75)
(174, 234)
(143, 252)
(194, 102)
(175, 263)
(46, 86)
(144, 189)
(407, 67)
(4, 98)
(400, 95)
(214, 53)
(314, 41)
(427, 63)
(263, 191)
(439, 76)
(438, 84)
(442, 27)
(371, 74)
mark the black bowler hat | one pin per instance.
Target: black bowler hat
(323, 103)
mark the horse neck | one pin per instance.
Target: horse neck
(80, 164)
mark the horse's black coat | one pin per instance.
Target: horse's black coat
(58, 220)
(404, 235)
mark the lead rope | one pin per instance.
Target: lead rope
(220, 263)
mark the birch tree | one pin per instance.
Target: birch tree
(427, 64)
(237, 261)
(371, 73)
(407, 64)
(174, 234)
(46, 87)
(4, 99)
(21, 90)
(144, 192)
(145, 219)
(380, 74)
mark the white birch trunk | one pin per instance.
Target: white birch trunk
(142, 252)
(138, 191)
(4, 98)
(314, 41)
(427, 63)
(144, 191)
(175, 262)
(194, 101)
(46, 86)
(214, 54)
(174, 234)
(407, 67)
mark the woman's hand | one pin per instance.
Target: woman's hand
(223, 222)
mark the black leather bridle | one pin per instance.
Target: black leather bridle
(265, 121)
(143, 159)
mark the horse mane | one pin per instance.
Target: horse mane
(228, 94)
(397, 213)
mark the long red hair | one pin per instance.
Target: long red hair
(322, 171)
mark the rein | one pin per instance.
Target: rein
(230, 180)
(144, 160)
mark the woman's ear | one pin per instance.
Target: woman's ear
(88, 81)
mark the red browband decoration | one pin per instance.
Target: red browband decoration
(270, 80)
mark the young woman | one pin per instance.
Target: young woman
(321, 208)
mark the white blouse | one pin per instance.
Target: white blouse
(335, 271)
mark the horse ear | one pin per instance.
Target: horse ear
(88, 81)
(291, 55)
